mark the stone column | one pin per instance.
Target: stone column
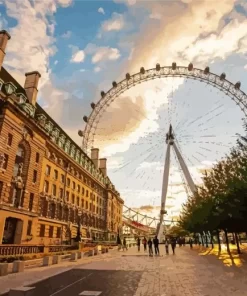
(2, 224)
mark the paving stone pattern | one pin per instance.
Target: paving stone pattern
(136, 274)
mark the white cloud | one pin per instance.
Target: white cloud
(67, 35)
(101, 10)
(101, 54)
(116, 23)
(97, 69)
(56, 62)
(156, 16)
(78, 55)
(39, 47)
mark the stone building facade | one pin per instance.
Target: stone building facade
(49, 188)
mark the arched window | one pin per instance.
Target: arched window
(19, 159)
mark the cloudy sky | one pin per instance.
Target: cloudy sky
(80, 47)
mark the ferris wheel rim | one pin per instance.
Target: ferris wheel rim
(231, 90)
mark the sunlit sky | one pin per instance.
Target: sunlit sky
(80, 47)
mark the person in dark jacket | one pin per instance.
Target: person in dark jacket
(138, 244)
(150, 247)
(145, 244)
(173, 244)
(156, 245)
(125, 245)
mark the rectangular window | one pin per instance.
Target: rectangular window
(54, 190)
(35, 175)
(55, 174)
(86, 204)
(83, 191)
(46, 186)
(30, 205)
(68, 182)
(62, 179)
(73, 198)
(9, 139)
(61, 192)
(73, 185)
(86, 193)
(58, 232)
(51, 229)
(37, 157)
(78, 188)
(42, 230)
(78, 201)
(90, 207)
(82, 203)
(93, 208)
(29, 227)
(48, 170)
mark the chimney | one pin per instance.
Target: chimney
(31, 86)
(4, 38)
(95, 156)
(102, 166)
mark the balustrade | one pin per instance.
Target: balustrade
(6, 250)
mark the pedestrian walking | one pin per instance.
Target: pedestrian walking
(138, 244)
(167, 246)
(125, 245)
(156, 245)
(119, 242)
(150, 247)
(173, 244)
(191, 243)
(145, 244)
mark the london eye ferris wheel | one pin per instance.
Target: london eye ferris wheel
(188, 111)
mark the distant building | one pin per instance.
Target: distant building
(48, 185)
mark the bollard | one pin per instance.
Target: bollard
(73, 257)
(47, 260)
(106, 250)
(18, 266)
(3, 269)
(103, 250)
(56, 259)
(22, 291)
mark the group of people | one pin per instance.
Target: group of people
(156, 243)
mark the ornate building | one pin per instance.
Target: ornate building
(49, 188)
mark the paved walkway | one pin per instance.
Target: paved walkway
(136, 274)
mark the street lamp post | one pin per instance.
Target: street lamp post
(78, 237)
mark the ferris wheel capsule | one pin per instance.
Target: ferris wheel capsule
(80, 133)
(102, 94)
(174, 66)
(142, 70)
(85, 118)
(190, 67)
(223, 76)
(127, 76)
(206, 70)
(92, 105)
(157, 67)
(237, 85)
(114, 84)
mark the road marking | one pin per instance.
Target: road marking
(70, 285)
(90, 293)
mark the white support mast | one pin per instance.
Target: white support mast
(170, 142)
